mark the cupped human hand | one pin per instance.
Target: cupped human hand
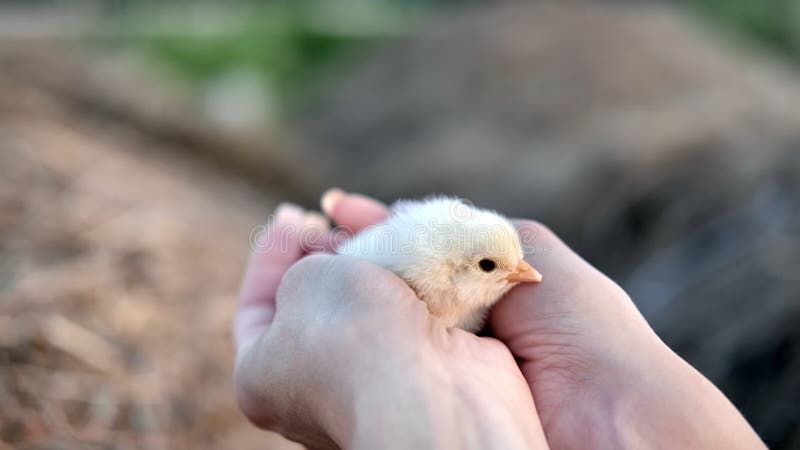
(599, 374)
(337, 352)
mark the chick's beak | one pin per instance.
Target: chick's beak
(524, 273)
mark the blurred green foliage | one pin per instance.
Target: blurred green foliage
(285, 60)
(774, 23)
(287, 45)
(285, 55)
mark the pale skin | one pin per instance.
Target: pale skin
(334, 353)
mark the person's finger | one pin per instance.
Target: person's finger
(352, 211)
(316, 236)
(274, 249)
(569, 284)
(545, 251)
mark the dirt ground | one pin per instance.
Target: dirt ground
(119, 264)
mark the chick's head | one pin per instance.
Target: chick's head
(479, 256)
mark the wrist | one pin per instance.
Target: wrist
(660, 401)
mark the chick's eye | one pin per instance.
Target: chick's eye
(487, 265)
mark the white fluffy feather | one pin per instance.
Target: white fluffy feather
(436, 246)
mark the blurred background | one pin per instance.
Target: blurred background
(140, 142)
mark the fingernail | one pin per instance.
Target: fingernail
(316, 220)
(330, 198)
(288, 212)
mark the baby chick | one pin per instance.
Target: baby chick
(458, 259)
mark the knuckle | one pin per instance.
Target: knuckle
(310, 263)
(358, 277)
(302, 282)
(337, 298)
(309, 267)
(351, 270)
